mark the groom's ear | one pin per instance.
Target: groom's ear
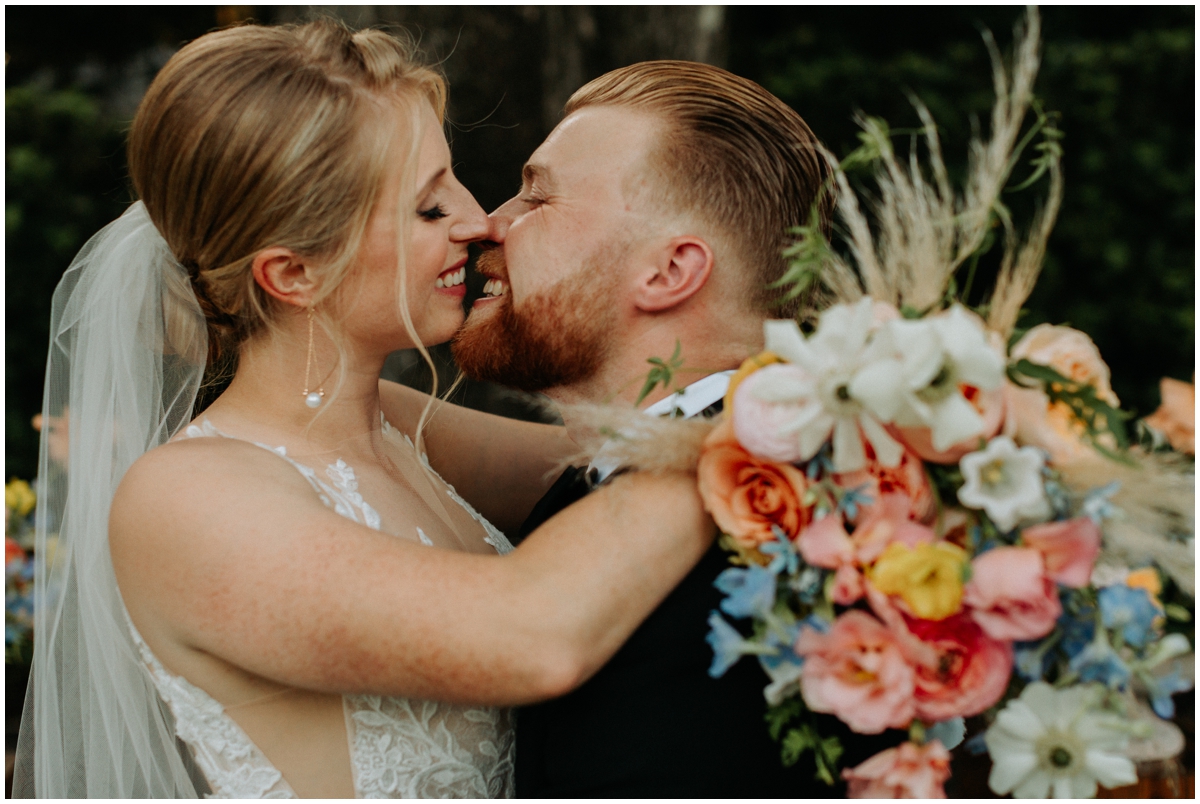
(283, 274)
(680, 269)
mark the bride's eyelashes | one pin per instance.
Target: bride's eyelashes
(433, 213)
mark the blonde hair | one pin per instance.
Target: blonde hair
(254, 136)
(733, 154)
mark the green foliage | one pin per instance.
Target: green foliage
(62, 161)
(794, 727)
(1101, 421)
(662, 371)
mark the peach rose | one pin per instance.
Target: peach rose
(1176, 416)
(1032, 420)
(1068, 549)
(1069, 352)
(960, 671)
(747, 495)
(989, 405)
(906, 771)
(907, 478)
(1010, 596)
(857, 672)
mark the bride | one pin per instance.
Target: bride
(282, 597)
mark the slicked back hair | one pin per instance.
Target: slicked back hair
(734, 155)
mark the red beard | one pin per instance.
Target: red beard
(558, 337)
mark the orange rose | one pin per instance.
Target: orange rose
(747, 495)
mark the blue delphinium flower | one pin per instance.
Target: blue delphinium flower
(949, 732)
(1078, 631)
(1129, 609)
(786, 559)
(1161, 688)
(783, 640)
(750, 591)
(852, 499)
(728, 645)
(1099, 662)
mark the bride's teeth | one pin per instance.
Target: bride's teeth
(439, 283)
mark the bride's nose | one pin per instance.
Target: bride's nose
(472, 223)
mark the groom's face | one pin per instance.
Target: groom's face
(567, 245)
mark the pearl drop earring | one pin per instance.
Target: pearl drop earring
(311, 398)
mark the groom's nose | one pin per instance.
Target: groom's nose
(501, 217)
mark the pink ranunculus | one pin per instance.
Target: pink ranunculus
(906, 771)
(960, 670)
(858, 672)
(1010, 596)
(876, 481)
(1068, 549)
(825, 543)
(758, 423)
(885, 522)
(847, 585)
(989, 405)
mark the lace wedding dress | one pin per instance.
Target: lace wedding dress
(399, 747)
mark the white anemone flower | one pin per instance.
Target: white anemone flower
(825, 399)
(1057, 742)
(1006, 482)
(916, 369)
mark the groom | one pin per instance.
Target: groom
(655, 213)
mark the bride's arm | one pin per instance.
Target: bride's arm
(501, 466)
(222, 548)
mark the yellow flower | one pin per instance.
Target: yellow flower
(19, 497)
(928, 578)
(748, 367)
(1146, 578)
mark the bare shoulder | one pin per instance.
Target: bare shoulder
(192, 483)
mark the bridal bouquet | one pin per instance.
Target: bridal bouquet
(932, 515)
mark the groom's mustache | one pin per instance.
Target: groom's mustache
(491, 263)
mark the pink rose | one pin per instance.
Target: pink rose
(1068, 549)
(960, 671)
(1010, 596)
(858, 672)
(989, 405)
(907, 478)
(748, 496)
(757, 423)
(907, 771)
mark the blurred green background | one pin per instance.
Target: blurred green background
(1120, 264)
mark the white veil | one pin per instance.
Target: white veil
(127, 353)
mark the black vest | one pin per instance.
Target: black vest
(653, 723)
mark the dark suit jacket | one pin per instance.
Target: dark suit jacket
(653, 723)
